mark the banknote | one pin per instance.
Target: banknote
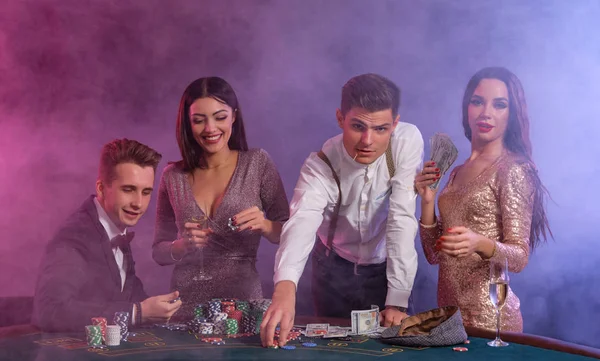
(443, 153)
(364, 321)
(317, 329)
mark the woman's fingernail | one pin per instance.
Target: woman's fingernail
(437, 169)
(449, 230)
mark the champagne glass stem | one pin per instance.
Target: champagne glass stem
(497, 323)
(201, 260)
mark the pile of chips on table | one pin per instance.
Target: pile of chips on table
(229, 317)
(100, 331)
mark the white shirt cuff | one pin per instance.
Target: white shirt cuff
(133, 315)
(397, 298)
(287, 274)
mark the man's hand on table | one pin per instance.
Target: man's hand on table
(391, 316)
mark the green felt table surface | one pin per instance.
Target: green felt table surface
(162, 344)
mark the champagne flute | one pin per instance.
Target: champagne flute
(498, 292)
(201, 275)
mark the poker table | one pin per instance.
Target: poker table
(27, 343)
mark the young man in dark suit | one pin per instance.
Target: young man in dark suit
(88, 269)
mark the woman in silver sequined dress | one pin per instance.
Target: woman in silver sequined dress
(217, 202)
(493, 205)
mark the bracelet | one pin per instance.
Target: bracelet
(428, 226)
(138, 314)
(494, 250)
(399, 308)
(171, 252)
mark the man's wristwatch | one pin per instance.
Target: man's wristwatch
(401, 309)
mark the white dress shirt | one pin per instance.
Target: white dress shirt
(112, 231)
(374, 209)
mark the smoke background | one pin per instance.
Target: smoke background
(76, 74)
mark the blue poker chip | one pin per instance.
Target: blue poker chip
(288, 347)
(309, 344)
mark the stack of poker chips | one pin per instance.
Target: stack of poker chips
(113, 335)
(248, 324)
(220, 323)
(199, 311)
(93, 335)
(260, 304)
(231, 326)
(206, 328)
(214, 307)
(243, 306)
(255, 318)
(194, 325)
(100, 321)
(236, 315)
(121, 319)
(227, 306)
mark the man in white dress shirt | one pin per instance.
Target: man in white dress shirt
(357, 197)
(88, 269)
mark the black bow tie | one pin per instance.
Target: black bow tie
(122, 240)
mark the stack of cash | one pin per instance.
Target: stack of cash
(443, 153)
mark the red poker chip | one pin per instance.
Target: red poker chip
(467, 342)
(460, 349)
(212, 339)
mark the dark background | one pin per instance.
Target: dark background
(74, 74)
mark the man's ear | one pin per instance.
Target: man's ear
(340, 118)
(99, 189)
(395, 122)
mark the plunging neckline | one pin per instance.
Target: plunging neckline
(224, 194)
(476, 178)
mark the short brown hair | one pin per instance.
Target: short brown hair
(125, 151)
(372, 92)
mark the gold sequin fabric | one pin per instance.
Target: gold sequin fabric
(230, 256)
(497, 204)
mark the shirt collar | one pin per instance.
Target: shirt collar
(348, 161)
(109, 226)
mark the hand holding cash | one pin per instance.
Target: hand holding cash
(443, 153)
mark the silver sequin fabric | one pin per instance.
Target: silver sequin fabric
(230, 256)
(497, 204)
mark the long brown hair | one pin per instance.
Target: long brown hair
(218, 89)
(516, 140)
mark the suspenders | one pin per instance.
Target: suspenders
(336, 210)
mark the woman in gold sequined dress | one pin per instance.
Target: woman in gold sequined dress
(493, 205)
